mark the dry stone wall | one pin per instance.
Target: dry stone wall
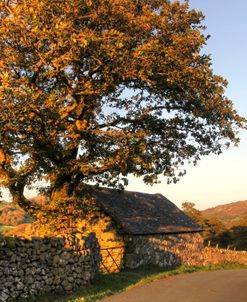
(41, 265)
(212, 255)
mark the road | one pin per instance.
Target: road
(218, 286)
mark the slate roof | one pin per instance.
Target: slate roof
(144, 214)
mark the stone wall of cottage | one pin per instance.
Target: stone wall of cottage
(42, 265)
(163, 250)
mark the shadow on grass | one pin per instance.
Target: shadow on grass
(109, 284)
(105, 285)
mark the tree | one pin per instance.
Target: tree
(91, 91)
(190, 210)
(214, 230)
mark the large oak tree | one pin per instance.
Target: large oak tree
(92, 90)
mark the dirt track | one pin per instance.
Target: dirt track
(218, 286)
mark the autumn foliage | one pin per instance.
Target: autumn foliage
(91, 91)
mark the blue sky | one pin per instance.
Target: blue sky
(217, 179)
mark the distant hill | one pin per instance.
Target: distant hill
(3, 204)
(40, 199)
(12, 215)
(231, 214)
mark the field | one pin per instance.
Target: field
(4, 228)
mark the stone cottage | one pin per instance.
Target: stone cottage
(136, 229)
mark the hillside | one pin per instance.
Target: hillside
(3, 204)
(231, 214)
(12, 215)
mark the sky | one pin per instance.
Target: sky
(216, 179)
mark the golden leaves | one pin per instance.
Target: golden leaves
(81, 125)
(82, 39)
(2, 157)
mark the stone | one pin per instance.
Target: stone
(30, 279)
(4, 297)
(56, 260)
(20, 286)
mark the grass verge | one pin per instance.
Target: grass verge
(109, 284)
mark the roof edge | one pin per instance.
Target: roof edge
(166, 233)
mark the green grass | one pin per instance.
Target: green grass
(109, 284)
(4, 228)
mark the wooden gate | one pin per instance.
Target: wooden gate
(112, 259)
